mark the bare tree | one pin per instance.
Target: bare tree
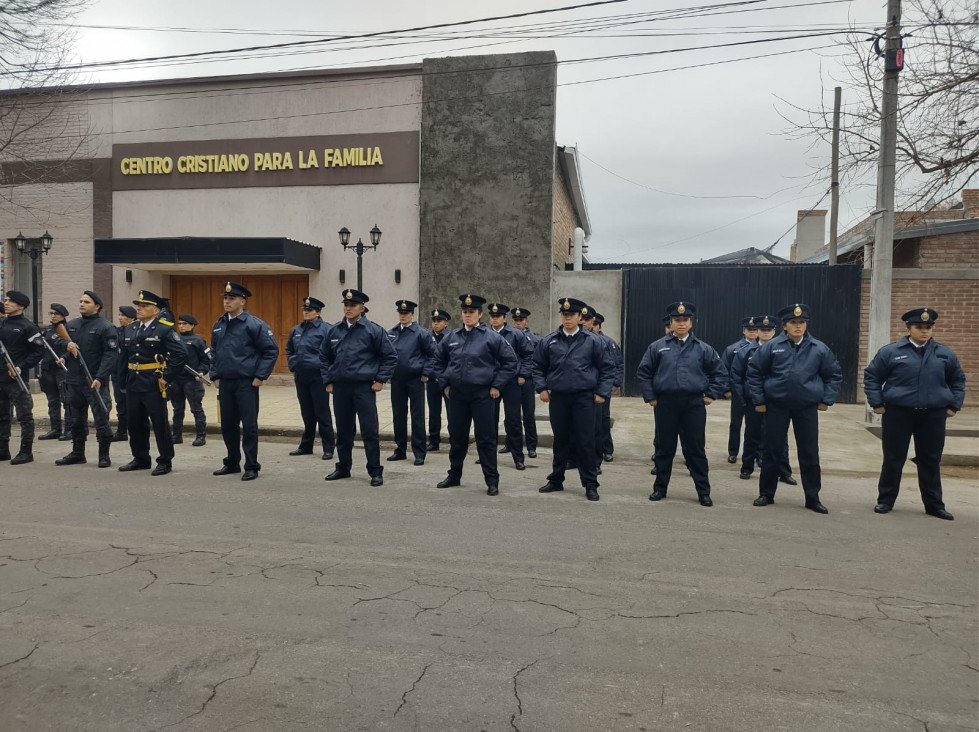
(43, 128)
(938, 106)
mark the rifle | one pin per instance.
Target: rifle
(63, 334)
(57, 359)
(198, 374)
(12, 369)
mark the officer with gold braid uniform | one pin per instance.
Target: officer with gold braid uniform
(155, 355)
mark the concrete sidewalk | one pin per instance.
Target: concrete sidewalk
(846, 446)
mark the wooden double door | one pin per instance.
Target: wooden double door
(276, 299)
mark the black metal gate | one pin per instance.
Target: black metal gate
(724, 295)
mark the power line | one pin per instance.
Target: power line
(442, 101)
(374, 34)
(196, 57)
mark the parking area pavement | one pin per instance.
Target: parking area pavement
(189, 602)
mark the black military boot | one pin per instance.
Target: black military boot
(52, 434)
(201, 438)
(104, 461)
(177, 435)
(120, 436)
(26, 454)
(76, 456)
(4, 450)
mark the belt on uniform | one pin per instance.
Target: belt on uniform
(145, 366)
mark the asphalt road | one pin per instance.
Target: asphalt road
(188, 602)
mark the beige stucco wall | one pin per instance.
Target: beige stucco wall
(602, 289)
(64, 211)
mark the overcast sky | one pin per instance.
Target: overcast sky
(678, 165)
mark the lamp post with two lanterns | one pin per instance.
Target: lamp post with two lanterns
(360, 248)
(34, 248)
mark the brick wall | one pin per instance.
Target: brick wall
(956, 300)
(949, 250)
(565, 222)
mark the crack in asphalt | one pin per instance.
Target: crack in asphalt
(155, 578)
(516, 695)
(404, 697)
(214, 692)
(680, 614)
(22, 658)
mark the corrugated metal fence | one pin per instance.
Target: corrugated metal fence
(723, 295)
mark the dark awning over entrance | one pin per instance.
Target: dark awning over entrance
(205, 254)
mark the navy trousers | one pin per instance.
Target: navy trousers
(238, 402)
(353, 402)
(314, 407)
(409, 393)
(511, 400)
(471, 406)
(572, 417)
(146, 410)
(684, 414)
(805, 425)
(927, 426)
(436, 398)
(528, 407)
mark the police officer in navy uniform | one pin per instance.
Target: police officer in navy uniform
(16, 332)
(356, 360)
(472, 363)
(127, 314)
(52, 378)
(96, 340)
(528, 396)
(603, 438)
(187, 388)
(243, 354)
(754, 422)
(303, 353)
(750, 337)
(916, 384)
(510, 394)
(573, 373)
(433, 390)
(155, 356)
(415, 349)
(791, 379)
(680, 376)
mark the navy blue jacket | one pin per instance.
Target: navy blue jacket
(669, 369)
(727, 358)
(615, 353)
(242, 348)
(480, 357)
(902, 376)
(527, 363)
(415, 347)
(198, 357)
(98, 342)
(521, 345)
(794, 376)
(361, 352)
(305, 343)
(738, 373)
(14, 332)
(581, 362)
(158, 343)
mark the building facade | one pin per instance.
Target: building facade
(176, 186)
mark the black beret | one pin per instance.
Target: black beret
(19, 297)
(59, 309)
(187, 318)
(95, 298)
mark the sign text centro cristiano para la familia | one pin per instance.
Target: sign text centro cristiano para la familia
(390, 157)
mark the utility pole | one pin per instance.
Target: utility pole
(834, 208)
(883, 258)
